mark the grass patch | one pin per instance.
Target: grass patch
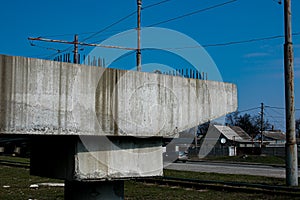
(19, 180)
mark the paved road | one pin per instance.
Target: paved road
(228, 168)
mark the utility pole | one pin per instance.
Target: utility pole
(75, 60)
(138, 51)
(291, 146)
(261, 124)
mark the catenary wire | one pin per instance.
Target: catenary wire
(279, 108)
(192, 13)
(233, 42)
(155, 4)
(122, 19)
(115, 23)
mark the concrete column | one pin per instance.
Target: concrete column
(78, 190)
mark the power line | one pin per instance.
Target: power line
(243, 41)
(67, 34)
(113, 24)
(280, 108)
(269, 115)
(83, 33)
(249, 40)
(232, 42)
(275, 111)
(275, 107)
(278, 114)
(98, 32)
(155, 4)
(109, 26)
(124, 55)
(118, 35)
(122, 19)
(279, 122)
(192, 13)
(248, 109)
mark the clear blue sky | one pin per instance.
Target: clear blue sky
(256, 67)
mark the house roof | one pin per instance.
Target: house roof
(240, 132)
(276, 135)
(230, 134)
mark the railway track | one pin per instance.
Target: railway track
(224, 186)
(200, 184)
(14, 163)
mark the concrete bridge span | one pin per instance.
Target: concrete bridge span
(55, 98)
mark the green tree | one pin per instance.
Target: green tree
(250, 124)
(247, 123)
(232, 118)
(203, 128)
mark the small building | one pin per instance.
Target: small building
(273, 143)
(227, 141)
(277, 137)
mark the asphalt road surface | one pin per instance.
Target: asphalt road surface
(229, 168)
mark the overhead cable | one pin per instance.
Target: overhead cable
(192, 13)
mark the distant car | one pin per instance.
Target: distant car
(182, 156)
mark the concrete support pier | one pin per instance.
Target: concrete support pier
(78, 190)
(94, 167)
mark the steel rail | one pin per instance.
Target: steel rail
(224, 186)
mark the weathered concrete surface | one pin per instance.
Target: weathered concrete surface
(92, 158)
(118, 157)
(47, 97)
